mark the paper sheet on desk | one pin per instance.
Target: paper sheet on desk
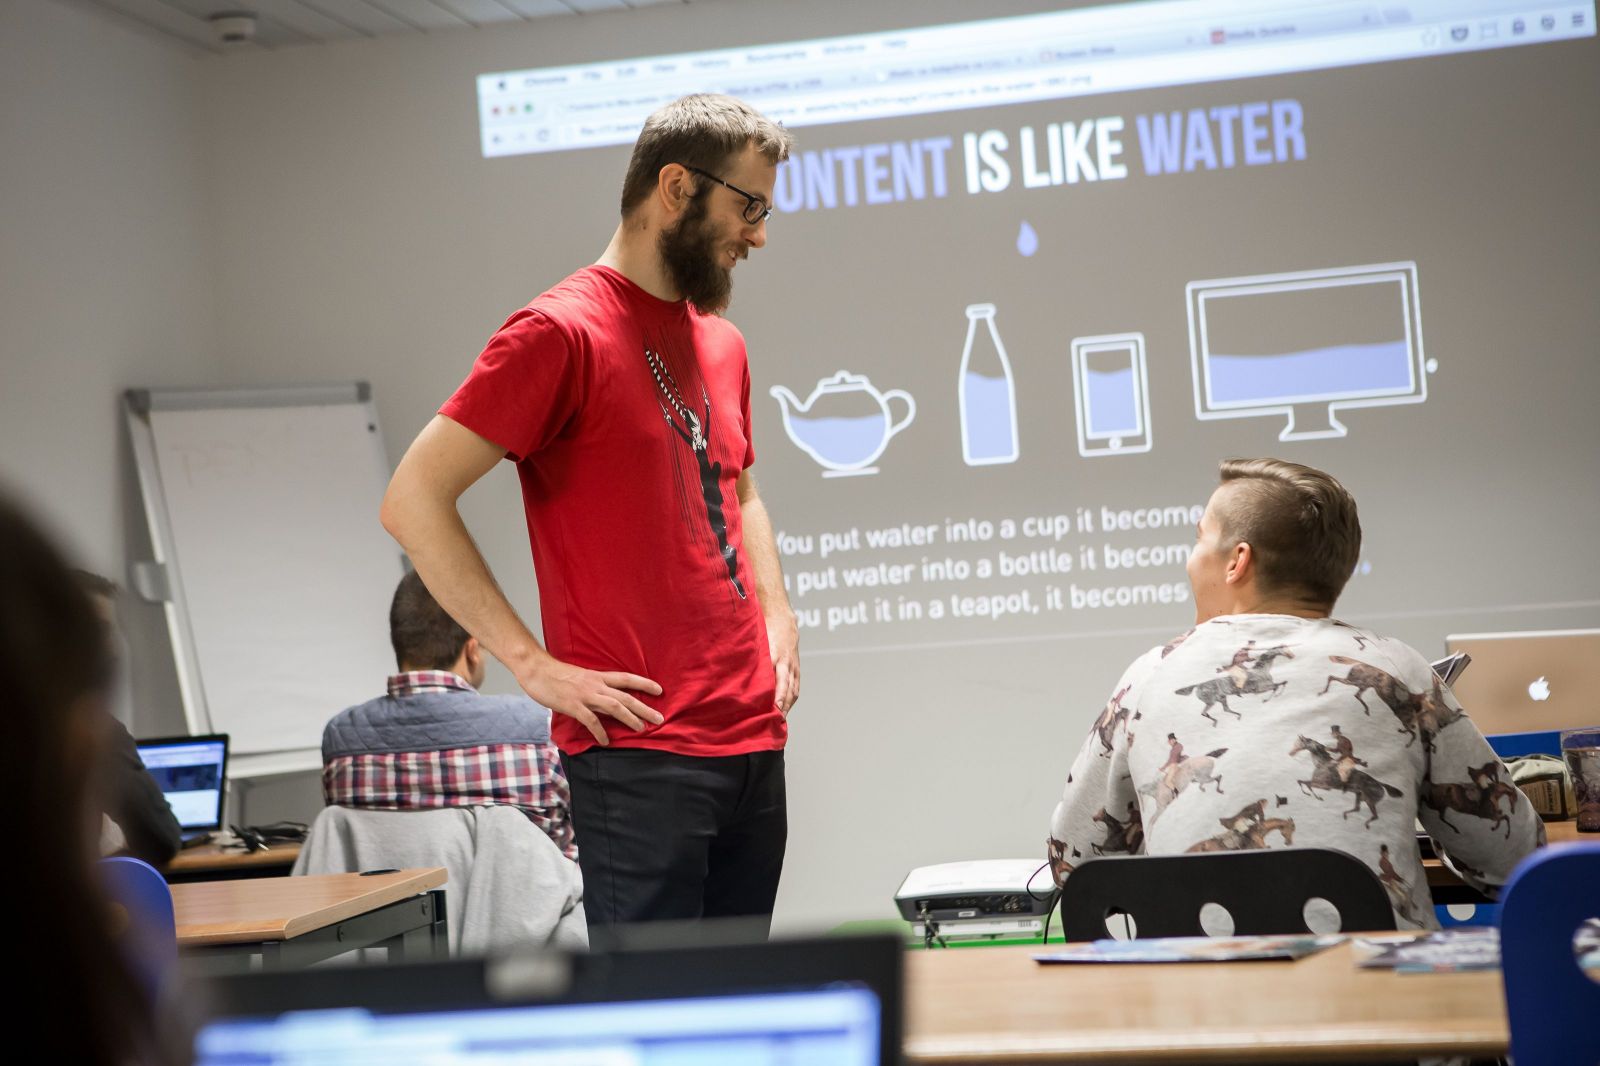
(1194, 949)
(1448, 951)
(1462, 950)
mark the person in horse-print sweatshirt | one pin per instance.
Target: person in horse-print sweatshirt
(1294, 727)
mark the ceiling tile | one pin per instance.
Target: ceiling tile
(165, 18)
(539, 8)
(483, 12)
(423, 14)
(366, 18)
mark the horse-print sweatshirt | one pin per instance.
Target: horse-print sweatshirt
(1258, 731)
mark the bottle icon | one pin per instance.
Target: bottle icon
(988, 397)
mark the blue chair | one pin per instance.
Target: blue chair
(150, 937)
(1551, 1003)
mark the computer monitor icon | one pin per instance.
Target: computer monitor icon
(1307, 345)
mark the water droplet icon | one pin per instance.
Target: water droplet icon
(1027, 240)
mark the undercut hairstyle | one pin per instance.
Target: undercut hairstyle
(423, 635)
(1300, 522)
(705, 130)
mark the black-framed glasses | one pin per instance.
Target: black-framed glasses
(756, 210)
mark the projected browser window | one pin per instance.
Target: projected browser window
(1001, 61)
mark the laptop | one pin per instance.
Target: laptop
(192, 773)
(1530, 682)
(835, 1000)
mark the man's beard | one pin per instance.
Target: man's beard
(689, 253)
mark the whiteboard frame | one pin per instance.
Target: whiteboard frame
(161, 580)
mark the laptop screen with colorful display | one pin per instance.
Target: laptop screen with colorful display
(192, 772)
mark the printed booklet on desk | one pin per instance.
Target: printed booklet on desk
(1447, 951)
(1194, 949)
(1451, 666)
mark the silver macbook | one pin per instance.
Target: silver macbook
(1530, 682)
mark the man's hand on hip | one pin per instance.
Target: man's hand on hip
(587, 694)
(783, 641)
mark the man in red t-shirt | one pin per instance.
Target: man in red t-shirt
(624, 400)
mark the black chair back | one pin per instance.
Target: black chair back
(1265, 892)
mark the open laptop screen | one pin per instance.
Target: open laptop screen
(834, 1026)
(191, 772)
(639, 997)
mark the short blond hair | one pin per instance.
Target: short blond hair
(704, 130)
(1300, 522)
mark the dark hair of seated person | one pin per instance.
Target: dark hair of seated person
(74, 990)
(424, 636)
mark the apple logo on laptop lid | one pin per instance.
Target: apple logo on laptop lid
(1539, 690)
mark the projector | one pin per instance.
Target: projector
(993, 891)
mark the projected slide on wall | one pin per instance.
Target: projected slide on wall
(1030, 279)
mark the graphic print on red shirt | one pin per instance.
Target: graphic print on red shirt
(680, 414)
(628, 418)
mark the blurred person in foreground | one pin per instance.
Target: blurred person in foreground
(1271, 723)
(76, 990)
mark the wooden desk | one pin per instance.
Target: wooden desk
(213, 862)
(999, 1006)
(295, 921)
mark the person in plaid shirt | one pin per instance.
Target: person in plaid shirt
(435, 741)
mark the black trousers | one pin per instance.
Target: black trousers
(663, 836)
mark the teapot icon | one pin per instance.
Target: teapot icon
(845, 424)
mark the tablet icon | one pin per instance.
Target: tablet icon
(1111, 386)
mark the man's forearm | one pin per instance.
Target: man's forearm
(442, 551)
(419, 511)
(762, 547)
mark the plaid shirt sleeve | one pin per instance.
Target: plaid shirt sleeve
(526, 776)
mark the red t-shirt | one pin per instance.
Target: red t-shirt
(629, 420)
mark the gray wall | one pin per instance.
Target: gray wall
(105, 280)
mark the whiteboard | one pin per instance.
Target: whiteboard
(273, 569)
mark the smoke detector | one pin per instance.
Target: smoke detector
(232, 27)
